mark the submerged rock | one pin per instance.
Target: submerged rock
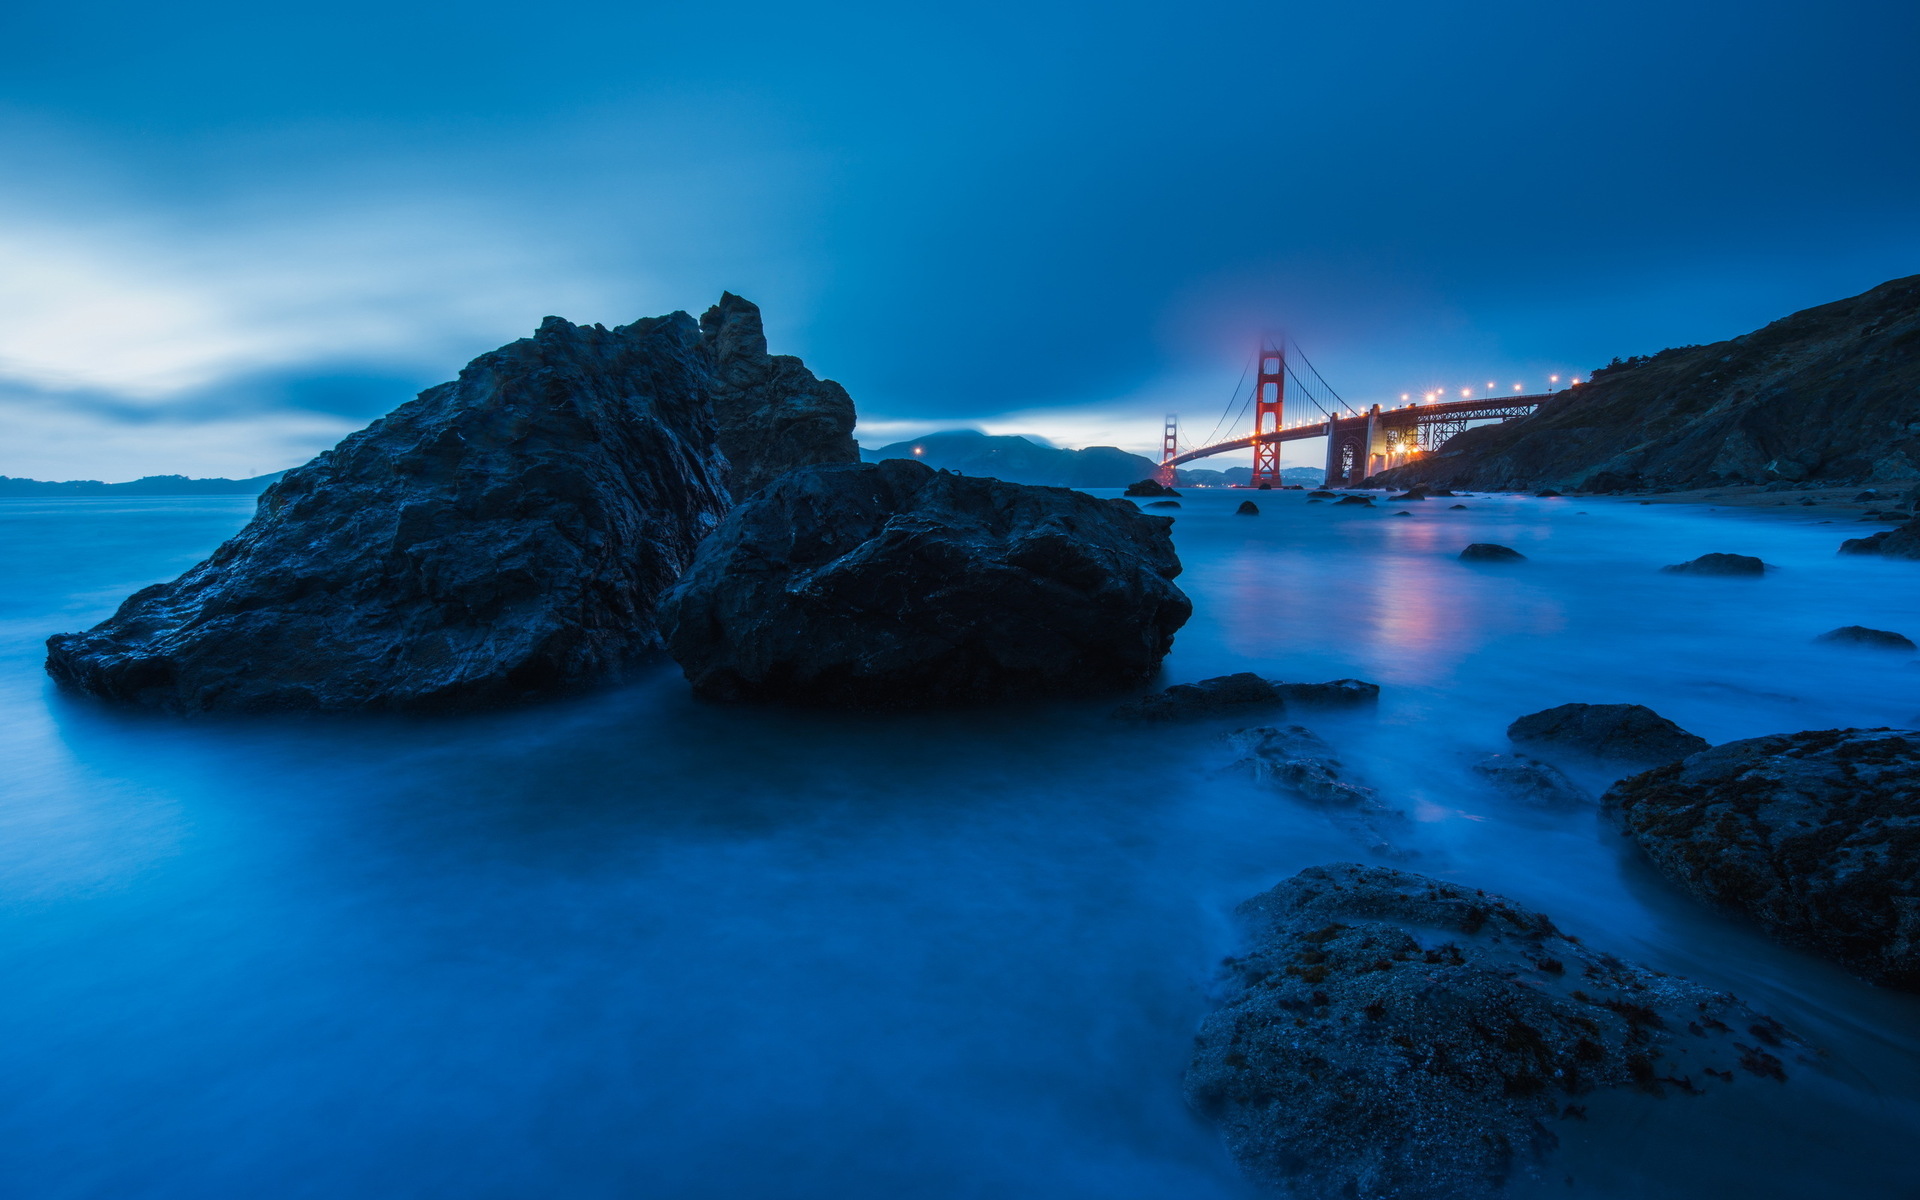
(772, 415)
(1491, 552)
(1530, 780)
(1295, 759)
(1232, 693)
(1335, 693)
(1163, 504)
(1207, 698)
(1547, 494)
(1247, 509)
(1320, 495)
(500, 537)
(1872, 639)
(1626, 732)
(892, 585)
(1366, 500)
(1816, 836)
(1453, 506)
(1870, 544)
(1719, 564)
(1391, 1035)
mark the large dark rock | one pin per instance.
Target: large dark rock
(1149, 487)
(1247, 509)
(772, 415)
(503, 536)
(1390, 1035)
(1903, 542)
(891, 584)
(1719, 564)
(1626, 732)
(1814, 835)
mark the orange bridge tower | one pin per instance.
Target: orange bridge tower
(1269, 414)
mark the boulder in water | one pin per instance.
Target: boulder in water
(1391, 1035)
(1162, 504)
(501, 537)
(1361, 500)
(1247, 509)
(1321, 495)
(772, 415)
(1491, 552)
(1547, 494)
(1296, 760)
(1223, 694)
(1871, 639)
(1336, 693)
(1451, 506)
(1623, 732)
(892, 585)
(1816, 836)
(1719, 564)
(1150, 487)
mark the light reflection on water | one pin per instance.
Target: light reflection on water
(635, 946)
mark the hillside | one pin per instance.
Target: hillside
(148, 485)
(1017, 460)
(1831, 394)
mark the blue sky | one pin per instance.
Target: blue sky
(231, 233)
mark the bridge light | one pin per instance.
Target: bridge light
(1465, 392)
(1518, 388)
(1553, 379)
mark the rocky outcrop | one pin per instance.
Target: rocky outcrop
(1719, 564)
(771, 414)
(893, 585)
(1903, 542)
(1247, 509)
(1622, 732)
(1816, 836)
(1149, 487)
(1491, 552)
(1335, 693)
(1831, 394)
(1391, 1035)
(500, 537)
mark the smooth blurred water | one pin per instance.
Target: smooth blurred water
(633, 946)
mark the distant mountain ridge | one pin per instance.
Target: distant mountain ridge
(1019, 460)
(146, 485)
(1827, 395)
(1022, 460)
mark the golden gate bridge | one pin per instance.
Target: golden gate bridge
(1360, 443)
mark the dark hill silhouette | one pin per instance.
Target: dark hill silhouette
(1831, 394)
(146, 485)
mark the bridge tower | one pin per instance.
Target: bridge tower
(1269, 413)
(1169, 450)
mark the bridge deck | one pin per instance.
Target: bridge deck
(1406, 414)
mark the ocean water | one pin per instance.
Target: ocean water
(635, 946)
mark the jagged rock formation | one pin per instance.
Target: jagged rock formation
(1623, 732)
(772, 414)
(1814, 835)
(1390, 1035)
(894, 585)
(1830, 394)
(1018, 460)
(500, 537)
